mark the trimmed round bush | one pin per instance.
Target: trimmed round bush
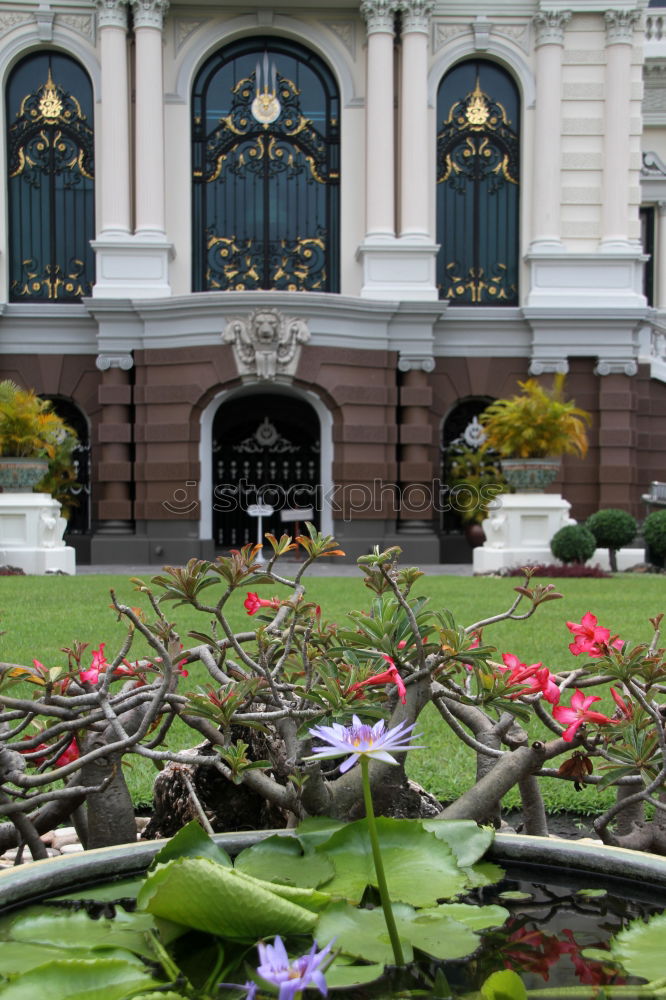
(573, 543)
(654, 532)
(612, 528)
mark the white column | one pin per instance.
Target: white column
(149, 117)
(414, 144)
(114, 169)
(379, 115)
(547, 186)
(659, 263)
(617, 133)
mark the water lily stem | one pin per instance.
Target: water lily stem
(379, 865)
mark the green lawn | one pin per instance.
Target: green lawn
(40, 615)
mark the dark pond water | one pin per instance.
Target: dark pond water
(555, 914)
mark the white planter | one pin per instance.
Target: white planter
(520, 529)
(31, 531)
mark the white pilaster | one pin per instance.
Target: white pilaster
(379, 112)
(660, 256)
(549, 28)
(414, 172)
(397, 268)
(616, 174)
(137, 265)
(114, 119)
(149, 132)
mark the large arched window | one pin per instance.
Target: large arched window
(478, 132)
(50, 179)
(265, 136)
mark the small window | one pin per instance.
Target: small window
(647, 215)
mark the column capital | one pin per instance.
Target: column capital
(616, 366)
(416, 362)
(112, 14)
(549, 26)
(149, 13)
(620, 25)
(548, 366)
(103, 362)
(416, 14)
(379, 15)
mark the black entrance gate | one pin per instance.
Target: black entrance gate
(265, 451)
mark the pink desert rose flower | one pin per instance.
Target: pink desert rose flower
(390, 676)
(361, 740)
(589, 636)
(291, 977)
(578, 713)
(98, 666)
(542, 680)
(253, 602)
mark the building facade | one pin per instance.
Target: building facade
(284, 255)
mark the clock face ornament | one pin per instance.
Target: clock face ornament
(266, 107)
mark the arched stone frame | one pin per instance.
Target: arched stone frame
(208, 39)
(23, 43)
(206, 446)
(509, 59)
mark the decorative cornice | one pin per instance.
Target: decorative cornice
(379, 15)
(549, 26)
(416, 15)
(549, 366)
(149, 13)
(620, 25)
(616, 366)
(112, 13)
(416, 362)
(105, 361)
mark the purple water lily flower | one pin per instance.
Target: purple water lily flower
(292, 977)
(361, 740)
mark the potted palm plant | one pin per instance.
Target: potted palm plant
(29, 435)
(532, 430)
(475, 479)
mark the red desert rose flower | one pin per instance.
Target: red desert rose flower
(253, 602)
(390, 676)
(578, 713)
(98, 666)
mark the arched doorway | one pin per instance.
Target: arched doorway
(265, 450)
(73, 489)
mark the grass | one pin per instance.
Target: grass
(40, 615)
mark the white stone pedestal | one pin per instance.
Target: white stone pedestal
(31, 531)
(520, 530)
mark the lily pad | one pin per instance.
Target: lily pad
(639, 948)
(504, 985)
(515, 894)
(445, 932)
(468, 841)
(64, 930)
(80, 979)
(419, 867)
(191, 841)
(199, 893)
(281, 859)
(342, 974)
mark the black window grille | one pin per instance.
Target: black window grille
(478, 185)
(266, 173)
(51, 188)
(647, 215)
